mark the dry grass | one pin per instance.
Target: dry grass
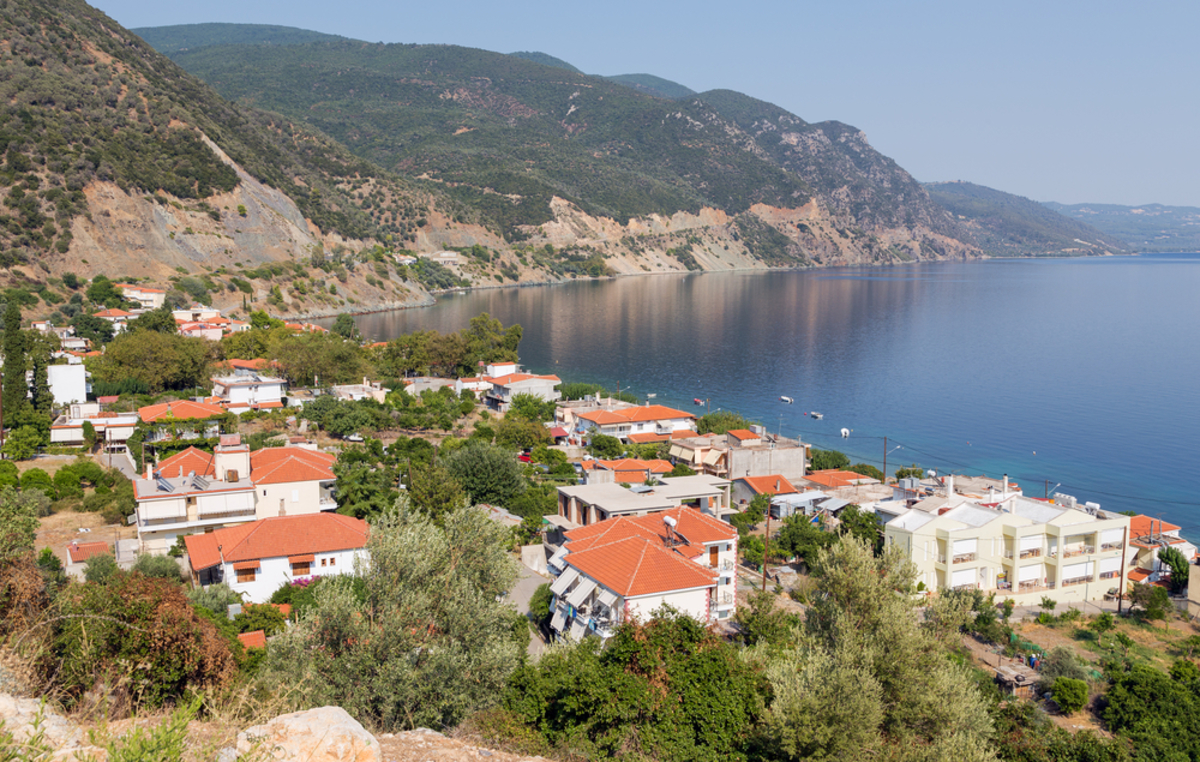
(48, 463)
(58, 530)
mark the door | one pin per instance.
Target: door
(712, 556)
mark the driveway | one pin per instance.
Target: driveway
(522, 592)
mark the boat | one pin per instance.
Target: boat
(697, 401)
(818, 416)
(788, 400)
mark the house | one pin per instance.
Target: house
(184, 419)
(240, 393)
(591, 503)
(627, 568)
(257, 558)
(1147, 536)
(743, 452)
(118, 317)
(292, 481)
(366, 390)
(78, 552)
(68, 383)
(624, 471)
(146, 298)
(111, 428)
(414, 385)
(635, 419)
(230, 486)
(505, 387)
(1016, 547)
(443, 258)
(746, 488)
(209, 331)
(197, 313)
(832, 478)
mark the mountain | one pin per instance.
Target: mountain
(1152, 227)
(524, 143)
(173, 39)
(1003, 224)
(117, 161)
(652, 85)
(545, 59)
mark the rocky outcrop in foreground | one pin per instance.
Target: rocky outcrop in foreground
(326, 734)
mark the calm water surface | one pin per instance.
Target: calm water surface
(1081, 372)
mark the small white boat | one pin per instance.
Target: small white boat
(818, 416)
(788, 400)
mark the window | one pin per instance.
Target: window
(323, 561)
(333, 562)
(303, 569)
(246, 575)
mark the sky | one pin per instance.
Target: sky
(1056, 100)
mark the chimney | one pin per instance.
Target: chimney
(950, 485)
(149, 470)
(1005, 493)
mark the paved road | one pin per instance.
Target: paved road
(528, 581)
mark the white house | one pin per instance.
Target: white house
(197, 313)
(170, 506)
(592, 503)
(68, 383)
(255, 559)
(505, 387)
(624, 422)
(111, 428)
(366, 390)
(1016, 547)
(146, 298)
(626, 568)
(240, 393)
(1147, 536)
(292, 481)
(118, 317)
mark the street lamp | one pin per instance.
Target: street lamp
(886, 452)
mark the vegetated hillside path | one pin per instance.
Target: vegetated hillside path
(528, 581)
(423, 745)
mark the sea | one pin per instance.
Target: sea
(1078, 376)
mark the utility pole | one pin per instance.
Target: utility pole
(766, 547)
(885, 451)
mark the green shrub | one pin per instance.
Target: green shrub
(1070, 695)
(161, 567)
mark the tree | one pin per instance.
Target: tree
(799, 537)
(1048, 604)
(100, 568)
(18, 523)
(161, 361)
(822, 460)
(345, 326)
(102, 292)
(1103, 623)
(539, 606)
(1152, 601)
(531, 408)
(267, 618)
(434, 490)
(1160, 715)
(88, 326)
(753, 550)
(1125, 642)
(862, 525)
(721, 422)
(216, 598)
(1174, 560)
(682, 469)
(517, 433)
(429, 643)
(52, 569)
(261, 321)
(604, 446)
(23, 443)
(15, 392)
(1060, 661)
(913, 471)
(763, 622)
(161, 567)
(866, 469)
(1070, 695)
(161, 320)
(864, 678)
(489, 473)
(89, 434)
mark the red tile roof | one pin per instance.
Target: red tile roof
(276, 465)
(109, 399)
(740, 434)
(832, 477)
(191, 459)
(635, 415)
(655, 466)
(276, 537)
(691, 525)
(636, 566)
(513, 378)
(181, 410)
(1143, 526)
(256, 639)
(774, 484)
(79, 552)
(1138, 575)
(647, 438)
(113, 313)
(258, 363)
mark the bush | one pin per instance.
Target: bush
(100, 568)
(1070, 695)
(160, 567)
(1060, 661)
(216, 598)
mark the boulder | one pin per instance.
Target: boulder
(327, 734)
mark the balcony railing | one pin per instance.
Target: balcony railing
(725, 599)
(967, 586)
(1110, 575)
(1111, 546)
(964, 558)
(941, 559)
(1078, 551)
(1031, 553)
(1076, 581)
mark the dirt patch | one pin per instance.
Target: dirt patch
(48, 463)
(57, 531)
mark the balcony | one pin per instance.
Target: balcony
(1083, 550)
(327, 503)
(1111, 546)
(1031, 553)
(965, 558)
(1076, 581)
(725, 599)
(1023, 587)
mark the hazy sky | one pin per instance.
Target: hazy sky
(1057, 100)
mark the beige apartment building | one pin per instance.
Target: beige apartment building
(1016, 547)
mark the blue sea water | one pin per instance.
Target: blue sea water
(1080, 373)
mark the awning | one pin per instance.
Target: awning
(607, 597)
(556, 560)
(305, 559)
(562, 522)
(578, 627)
(564, 581)
(581, 592)
(246, 565)
(560, 616)
(712, 457)
(677, 452)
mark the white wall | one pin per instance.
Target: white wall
(299, 499)
(274, 572)
(694, 603)
(68, 383)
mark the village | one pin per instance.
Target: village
(616, 509)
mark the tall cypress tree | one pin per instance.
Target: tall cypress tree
(15, 393)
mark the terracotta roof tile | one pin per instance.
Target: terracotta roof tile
(276, 465)
(636, 566)
(1143, 526)
(256, 639)
(79, 552)
(191, 459)
(634, 415)
(276, 537)
(774, 484)
(741, 434)
(181, 410)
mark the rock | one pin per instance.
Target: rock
(327, 734)
(21, 718)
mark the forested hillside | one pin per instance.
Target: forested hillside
(1007, 225)
(1151, 227)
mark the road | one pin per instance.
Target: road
(527, 583)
